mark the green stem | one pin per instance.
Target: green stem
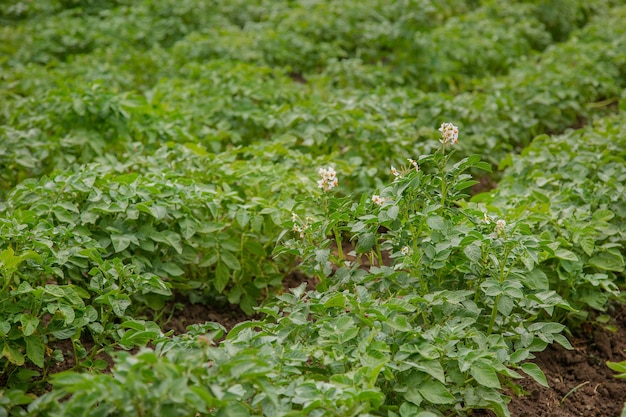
(379, 255)
(338, 241)
(502, 277)
(442, 172)
(494, 314)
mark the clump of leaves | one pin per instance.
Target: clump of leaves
(569, 191)
(455, 314)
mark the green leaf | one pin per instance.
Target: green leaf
(79, 106)
(408, 410)
(63, 215)
(242, 218)
(536, 280)
(338, 300)
(536, 373)
(13, 355)
(157, 211)
(130, 324)
(366, 242)
(230, 260)
(29, 324)
(54, 290)
(173, 239)
(207, 398)
(35, 350)
(120, 303)
(172, 270)
(610, 260)
(562, 340)
(485, 374)
(400, 323)
(71, 295)
(68, 313)
(8, 260)
(587, 243)
(473, 252)
(392, 212)
(618, 367)
(120, 242)
(5, 328)
(566, 255)
(436, 393)
(413, 396)
(602, 215)
(432, 368)
(233, 410)
(222, 277)
(69, 379)
(188, 227)
(505, 305)
(435, 222)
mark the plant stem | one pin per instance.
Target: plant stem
(442, 173)
(494, 314)
(339, 242)
(379, 255)
(502, 277)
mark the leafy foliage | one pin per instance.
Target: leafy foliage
(168, 150)
(569, 190)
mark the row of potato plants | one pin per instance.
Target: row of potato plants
(84, 254)
(570, 189)
(58, 124)
(470, 292)
(102, 224)
(305, 38)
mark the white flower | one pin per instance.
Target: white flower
(300, 229)
(500, 224)
(414, 163)
(449, 134)
(405, 250)
(395, 172)
(298, 226)
(486, 218)
(329, 178)
(378, 200)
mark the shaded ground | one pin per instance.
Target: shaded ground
(184, 314)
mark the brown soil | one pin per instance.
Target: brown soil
(184, 314)
(581, 385)
(485, 183)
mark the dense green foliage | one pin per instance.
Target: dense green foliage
(159, 151)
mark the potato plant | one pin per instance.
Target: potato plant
(159, 152)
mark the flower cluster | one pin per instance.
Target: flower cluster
(329, 179)
(298, 226)
(500, 224)
(449, 134)
(395, 172)
(378, 199)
